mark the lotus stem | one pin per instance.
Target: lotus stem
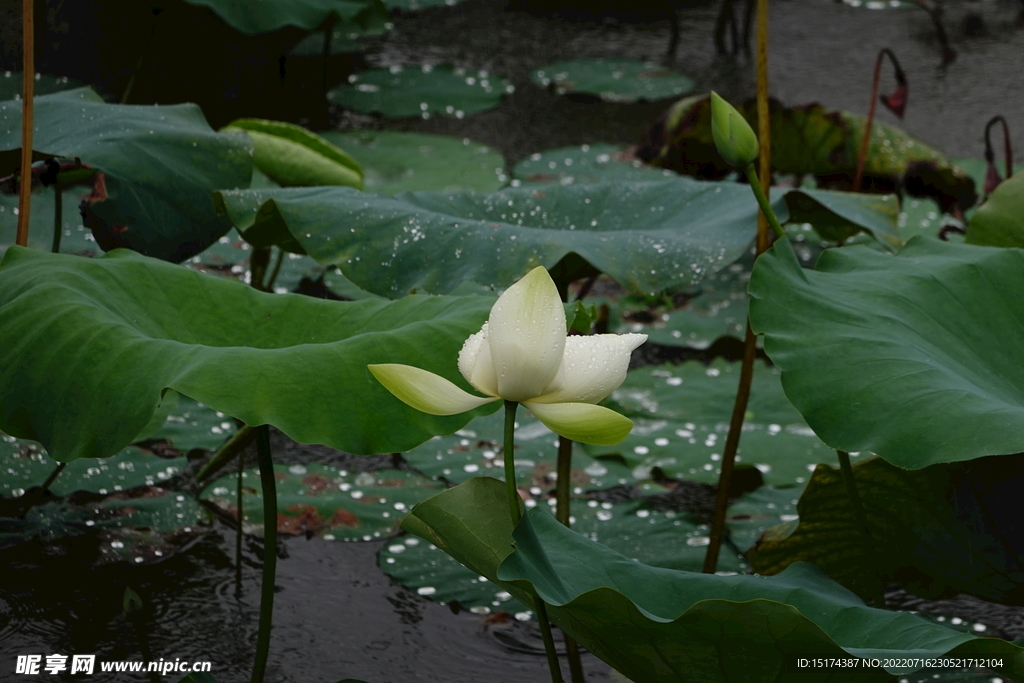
(766, 218)
(992, 179)
(510, 462)
(859, 512)
(269, 487)
(549, 640)
(238, 529)
(28, 84)
(901, 80)
(231, 448)
(562, 514)
(269, 287)
(766, 208)
(58, 217)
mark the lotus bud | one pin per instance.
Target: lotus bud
(733, 136)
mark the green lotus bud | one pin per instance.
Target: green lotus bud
(733, 136)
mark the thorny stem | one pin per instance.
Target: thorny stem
(866, 136)
(767, 217)
(858, 510)
(28, 83)
(58, 217)
(269, 487)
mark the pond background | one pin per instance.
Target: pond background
(336, 614)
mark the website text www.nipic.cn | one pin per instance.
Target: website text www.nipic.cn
(34, 665)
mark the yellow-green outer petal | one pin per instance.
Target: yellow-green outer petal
(425, 391)
(583, 422)
(294, 156)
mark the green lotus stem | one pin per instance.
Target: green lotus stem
(28, 84)
(269, 287)
(846, 468)
(58, 216)
(38, 496)
(549, 640)
(269, 487)
(762, 201)
(510, 462)
(231, 448)
(238, 529)
(562, 510)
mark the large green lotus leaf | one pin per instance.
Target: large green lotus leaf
(655, 624)
(292, 156)
(915, 357)
(838, 216)
(682, 414)
(645, 235)
(585, 164)
(89, 345)
(999, 222)
(945, 529)
(325, 501)
(11, 87)
(24, 464)
(395, 162)
(476, 450)
(254, 16)
(423, 91)
(613, 80)
(160, 167)
(654, 537)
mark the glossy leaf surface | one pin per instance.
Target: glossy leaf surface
(914, 357)
(89, 345)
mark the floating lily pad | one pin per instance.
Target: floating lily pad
(345, 36)
(190, 425)
(682, 413)
(395, 162)
(753, 513)
(585, 164)
(658, 538)
(414, 5)
(613, 80)
(262, 17)
(10, 85)
(425, 91)
(326, 501)
(25, 464)
(476, 450)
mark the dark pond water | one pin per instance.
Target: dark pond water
(336, 615)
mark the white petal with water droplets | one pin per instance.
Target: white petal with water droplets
(476, 365)
(583, 422)
(592, 368)
(526, 335)
(424, 390)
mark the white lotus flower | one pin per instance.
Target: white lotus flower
(523, 354)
